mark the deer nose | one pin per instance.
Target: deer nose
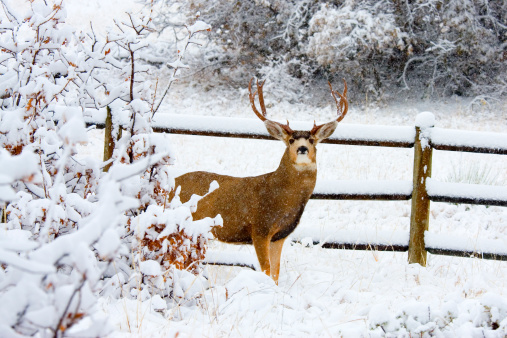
(302, 150)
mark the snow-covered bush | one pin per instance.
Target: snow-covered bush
(36, 71)
(158, 236)
(482, 317)
(59, 218)
(344, 39)
(66, 220)
(346, 33)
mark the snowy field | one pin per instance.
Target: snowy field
(325, 292)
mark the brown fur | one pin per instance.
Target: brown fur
(278, 207)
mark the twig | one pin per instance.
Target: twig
(68, 305)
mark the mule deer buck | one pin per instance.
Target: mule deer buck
(263, 210)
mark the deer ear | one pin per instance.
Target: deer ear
(325, 131)
(275, 130)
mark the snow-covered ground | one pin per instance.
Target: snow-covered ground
(332, 292)
(324, 292)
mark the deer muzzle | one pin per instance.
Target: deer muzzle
(302, 150)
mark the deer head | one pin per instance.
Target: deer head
(301, 145)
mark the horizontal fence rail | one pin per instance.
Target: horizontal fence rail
(247, 128)
(240, 259)
(450, 245)
(363, 190)
(350, 240)
(396, 241)
(348, 134)
(421, 190)
(466, 193)
(468, 141)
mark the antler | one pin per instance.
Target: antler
(263, 107)
(341, 107)
(261, 99)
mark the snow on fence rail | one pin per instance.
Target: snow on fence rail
(351, 134)
(423, 138)
(469, 141)
(361, 190)
(466, 193)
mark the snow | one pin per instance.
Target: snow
(73, 131)
(95, 11)
(475, 139)
(150, 268)
(198, 26)
(248, 126)
(354, 237)
(375, 133)
(469, 191)
(425, 120)
(355, 187)
(452, 242)
(11, 258)
(351, 299)
(205, 123)
(321, 292)
(177, 64)
(13, 168)
(232, 258)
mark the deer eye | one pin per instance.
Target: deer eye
(311, 140)
(291, 141)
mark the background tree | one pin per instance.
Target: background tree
(425, 48)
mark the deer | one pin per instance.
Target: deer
(264, 210)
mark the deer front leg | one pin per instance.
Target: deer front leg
(261, 245)
(275, 252)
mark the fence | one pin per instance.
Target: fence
(424, 138)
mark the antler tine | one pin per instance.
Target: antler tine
(252, 102)
(345, 88)
(343, 106)
(263, 106)
(261, 96)
(332, 92)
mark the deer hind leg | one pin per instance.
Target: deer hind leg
(275, 252)
(261, 245)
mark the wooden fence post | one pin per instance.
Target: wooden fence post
(419, 218)
(4, 212)
(109, 139)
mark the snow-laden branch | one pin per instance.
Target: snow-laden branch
(197, 27)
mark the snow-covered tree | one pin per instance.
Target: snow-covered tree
(431, 48)
(456, 47)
